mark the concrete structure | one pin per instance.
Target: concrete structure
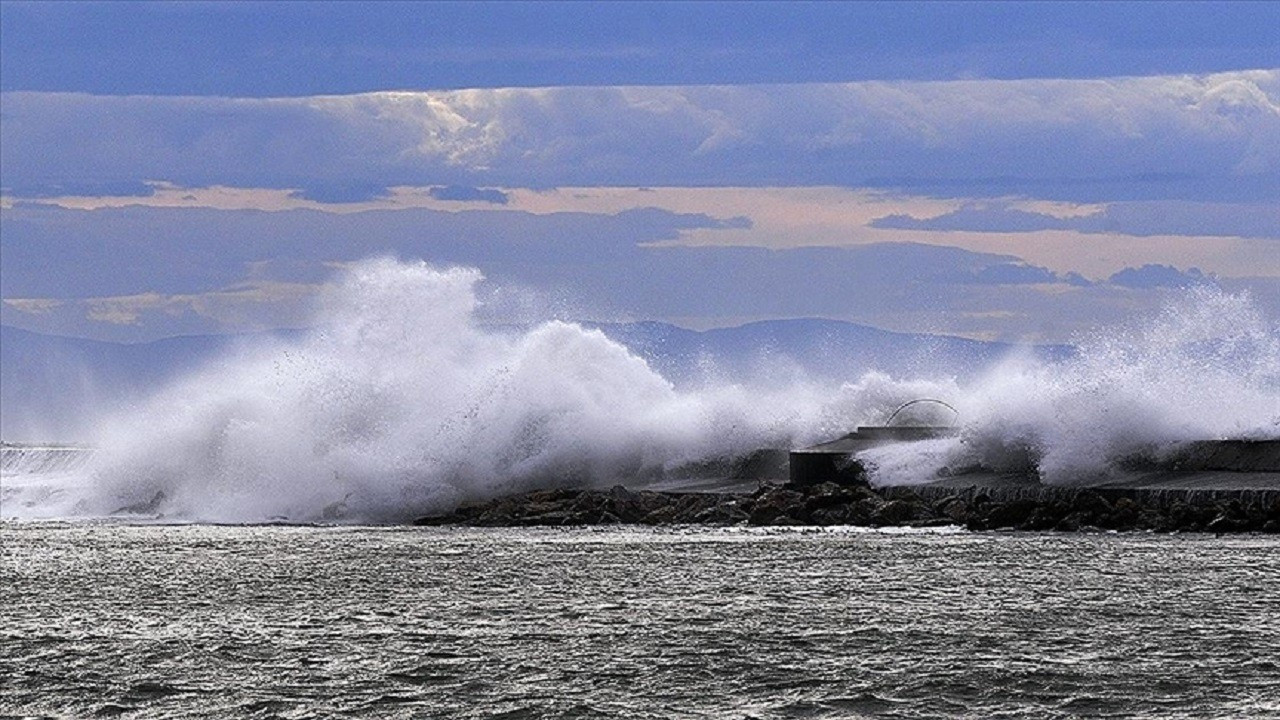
(835, 461)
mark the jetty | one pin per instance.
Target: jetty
(1217, 486)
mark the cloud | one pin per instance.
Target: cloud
(1158, 276)
(462, 193)
(1017, 273)
(33, 306)
(338, 192)
(138, 273)
(1141, 219)
(294, 49)
(1206, 137)
(776, 218)
(135, 249)
(976, 217)
(63, 188)
(147, 316)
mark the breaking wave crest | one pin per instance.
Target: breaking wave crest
(1206, 367)
(400, 403)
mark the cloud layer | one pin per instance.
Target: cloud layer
(135, 273)
(1182, 137)
(1142, 219)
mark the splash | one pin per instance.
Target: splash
(1206, 367)
(400, 403)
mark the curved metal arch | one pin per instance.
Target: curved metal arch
(917, 401)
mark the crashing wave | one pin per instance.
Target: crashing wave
(400, 403)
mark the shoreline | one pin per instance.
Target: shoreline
(972, 507)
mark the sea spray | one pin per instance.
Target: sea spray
(401, 403)
(1206, 367)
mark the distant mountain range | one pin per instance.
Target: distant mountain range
(823, 350)
(48, 384)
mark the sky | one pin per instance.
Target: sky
(1000, 171)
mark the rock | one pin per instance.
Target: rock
(866, 508)
(1043, 517)
(894, 512)
(552, 517)
(1181, 517)
(552, 496)
(726, 513)
(1123, 515)
(955, 509)
(1224, 524)
(627, 505)
(1089, 501)
(908, 495)
(665, 515)
(826, 495)
(1009, 515)
(1127, 505)
(1149, 519)
(1072, 522)
(606, 518)
(838, 515)
(689, 506)
(772, 505)
(533, 509)
(835, 504)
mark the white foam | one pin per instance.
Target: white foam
(1207, 367)
(400, 403)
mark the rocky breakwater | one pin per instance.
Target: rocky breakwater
(851, 504)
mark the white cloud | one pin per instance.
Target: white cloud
(1193, 132)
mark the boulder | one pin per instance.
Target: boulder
(726, 513)
(1011, 514)
(1090, 502)
(954, 509)
(827, 495)
(894, 512)
(838, 515)
(771, 505)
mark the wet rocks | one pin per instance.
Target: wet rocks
(1045, 509)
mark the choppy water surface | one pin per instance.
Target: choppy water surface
(376, 622)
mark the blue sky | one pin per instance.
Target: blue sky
(1012, 171)
(273, 49)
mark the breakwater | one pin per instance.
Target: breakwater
(974, 507)
(1208, 486)
(21, 459)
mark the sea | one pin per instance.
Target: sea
(237, 543)
(109, 619)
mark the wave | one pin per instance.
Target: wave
(1206, 367)
(401, 403)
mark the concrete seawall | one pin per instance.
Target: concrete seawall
(20, 459)
(1159, 499)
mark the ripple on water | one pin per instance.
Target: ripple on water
(296, 622)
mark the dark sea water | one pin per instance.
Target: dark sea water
(181, 621)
